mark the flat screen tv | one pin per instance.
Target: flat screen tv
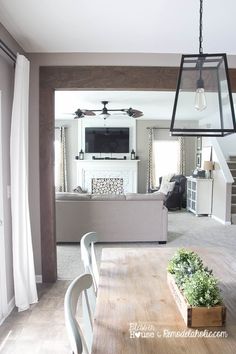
(110, 140)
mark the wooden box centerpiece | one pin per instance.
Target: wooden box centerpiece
(195, 291)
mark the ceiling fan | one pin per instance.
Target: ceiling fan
(80, 113)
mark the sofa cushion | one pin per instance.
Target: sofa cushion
(108, 197)
(72, 196)
(148, 196)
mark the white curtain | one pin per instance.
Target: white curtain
(23, 261)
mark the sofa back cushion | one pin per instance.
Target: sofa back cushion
(148, 196)
(72, 196)
(108, 197)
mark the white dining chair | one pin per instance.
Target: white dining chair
(89, 258)
(78, 341)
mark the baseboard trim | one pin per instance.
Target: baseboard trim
(221, 221)
(39, 278)
(10, 308)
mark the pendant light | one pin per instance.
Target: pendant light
(203, 103)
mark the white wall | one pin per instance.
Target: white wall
(228, 145)
(221, 196)
(222, 181)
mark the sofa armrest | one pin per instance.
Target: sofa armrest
(164, 223)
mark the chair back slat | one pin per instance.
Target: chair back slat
(77, 339)
(88, 257)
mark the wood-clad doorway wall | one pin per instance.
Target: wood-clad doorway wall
(84, 78)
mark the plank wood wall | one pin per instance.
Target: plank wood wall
(90, 78)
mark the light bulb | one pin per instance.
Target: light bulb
(200, 99)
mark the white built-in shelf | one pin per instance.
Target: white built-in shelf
(199, 195)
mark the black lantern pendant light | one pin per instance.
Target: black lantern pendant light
(203, 103)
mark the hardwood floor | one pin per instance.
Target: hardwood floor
(41, 329)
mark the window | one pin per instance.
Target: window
(166, 155)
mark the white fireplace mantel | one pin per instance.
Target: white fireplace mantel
(126, 169)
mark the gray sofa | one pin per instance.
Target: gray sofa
(122, 218)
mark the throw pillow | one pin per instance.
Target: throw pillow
(167, 178)
(167, 187)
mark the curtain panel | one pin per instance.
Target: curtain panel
(60, 159)
(182, 157)
(23, 261)
(151, 175)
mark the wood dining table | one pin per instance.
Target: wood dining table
(136, 312)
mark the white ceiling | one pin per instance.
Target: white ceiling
(154, 104)
(125, 26)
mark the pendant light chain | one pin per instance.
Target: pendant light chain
(200, 29)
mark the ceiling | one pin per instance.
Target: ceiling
(124, 26)
(154, 104)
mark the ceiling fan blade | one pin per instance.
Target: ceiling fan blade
(134, 113)
(137, 114)
(88, 112)
(80, 113)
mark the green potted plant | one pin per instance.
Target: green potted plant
(183, 264)
(201, 289)
(195, 290)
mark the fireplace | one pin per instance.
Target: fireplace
(108, 176)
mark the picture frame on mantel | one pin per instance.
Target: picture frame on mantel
(199, 143)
